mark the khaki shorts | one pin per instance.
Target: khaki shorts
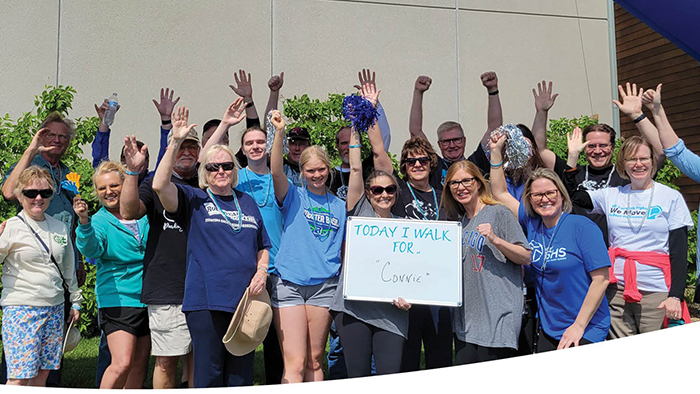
(169, 333)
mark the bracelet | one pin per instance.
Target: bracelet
(77, 308)
(496, 165)
(250, 104)
(495, 92)
(355, 146)
(640, 118)
(166, 122)
(676, 298)
(131, 172)
(264, 269)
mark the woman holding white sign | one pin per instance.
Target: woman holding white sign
(370, 328)
(569, 259)
(494, 248)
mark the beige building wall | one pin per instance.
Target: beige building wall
(135, 48)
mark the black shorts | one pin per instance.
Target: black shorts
(129, 319)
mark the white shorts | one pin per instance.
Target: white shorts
(169, 333)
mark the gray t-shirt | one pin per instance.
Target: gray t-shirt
(382, 315)
(491, 313)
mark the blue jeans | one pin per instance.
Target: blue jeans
(336, 360)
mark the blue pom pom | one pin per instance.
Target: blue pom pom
(360, 112)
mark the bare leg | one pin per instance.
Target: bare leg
(319, 322)
(292, 332)
(137, 375)
(17, 382)
(40, 379)
(122, 346)
(164, 372)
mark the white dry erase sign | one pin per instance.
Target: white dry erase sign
(418, 260)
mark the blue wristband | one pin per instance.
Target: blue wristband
(355, 146)
(496, 165)
(131, 172)
(77, 308)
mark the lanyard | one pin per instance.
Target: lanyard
(321, 237)
(236, 229)
(418, 203)
(252, 192)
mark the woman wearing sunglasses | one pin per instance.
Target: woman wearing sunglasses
(569, 260)
(429, 327)
(370, 328)
(648, 232)
(305, 273)
(37, 256)
(494, 248)
(226, 253)
(118, 247)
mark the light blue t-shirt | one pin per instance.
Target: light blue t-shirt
(261, 188)
(313, 235)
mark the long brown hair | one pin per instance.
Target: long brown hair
(453, 208)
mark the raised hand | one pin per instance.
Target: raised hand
(364, 77)
(103, 108)
(423, 83)
(652, 99)
(81, 209)
(631, 100)
(235, 112)
(277, 120)
(243, 86)
(497, 142)
(490, 81)
(275, 83)
(574, 141)
(166, 105)
(134, 157)
(486, 230)
(544, 99)
(36, 146)
(370, 92)
(180, 126)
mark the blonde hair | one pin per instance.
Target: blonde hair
(31, 174)
(630, 147)
(109, 166)
(202, 172)
(315, 151)
(545, 173)
(453, 208)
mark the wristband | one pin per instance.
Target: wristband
(496, 165)
(264, 269)
(495, 92)
(77, 308)
(355, 146)
(131, 172)
(250, 104)
(166, 122)
(640, 118)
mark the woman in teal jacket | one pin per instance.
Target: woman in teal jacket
(118, 246)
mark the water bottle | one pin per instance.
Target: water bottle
(109, 114)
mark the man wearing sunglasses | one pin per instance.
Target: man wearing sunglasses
(165, 259)
(46, 150)
(451, 139)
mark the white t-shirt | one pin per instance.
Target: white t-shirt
(667, 211)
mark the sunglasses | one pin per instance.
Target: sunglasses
(378, 190)
(413, 160)
(214, 167)
(32, 193)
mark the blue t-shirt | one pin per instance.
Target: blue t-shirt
(577, 249)
(262, 190)
(220, 262)
(309, 253)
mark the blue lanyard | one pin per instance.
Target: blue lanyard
(238, 207)
(418, 204)
(313, 216)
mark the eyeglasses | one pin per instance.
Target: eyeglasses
(466, 182)
(596, 146)
(378, 190)
(550, 194)
(53, 136)
(32, 193)
(448, 142)
(214, 167)
(634, 160)
(413, 160)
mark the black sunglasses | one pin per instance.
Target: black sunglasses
(412, 160)
(32, 193)
(214, 167)
(378, 190)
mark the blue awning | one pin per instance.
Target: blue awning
(676, 20)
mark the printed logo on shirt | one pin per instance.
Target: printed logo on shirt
(247, 221)
(321, 222)
(60, 239)
(416, 208)
(552, 254)
(637, 212)
(472, 239)
(169, 224)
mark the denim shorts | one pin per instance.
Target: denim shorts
(285, 293)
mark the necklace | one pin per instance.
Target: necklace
(235, 229)
(551, 240)
(342, 191)
(646, 212)
(252, 192)
(317, 228)
(418, 204)
(592, 185)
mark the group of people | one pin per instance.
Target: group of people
(554, 254)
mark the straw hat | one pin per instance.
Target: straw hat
(71, 338)
(249, 324)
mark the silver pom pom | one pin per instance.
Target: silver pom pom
(517, 149)
(271, 130)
